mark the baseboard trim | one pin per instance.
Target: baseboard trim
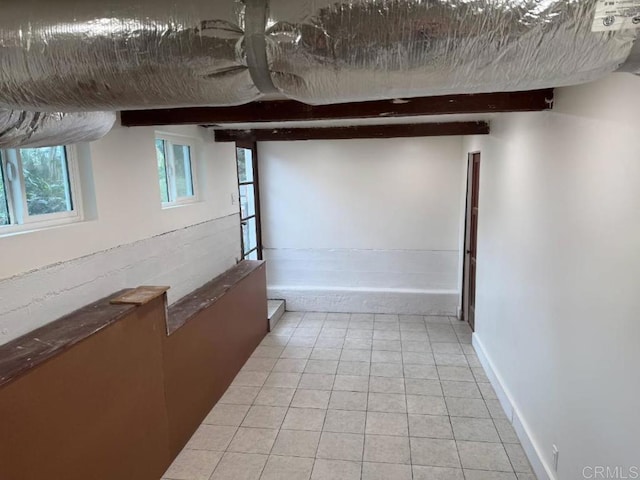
(354, 300)
(541, 468)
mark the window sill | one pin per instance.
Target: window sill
(186, 203)
(11, 230)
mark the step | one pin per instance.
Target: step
(276, 309)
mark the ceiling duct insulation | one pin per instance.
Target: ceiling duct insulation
(328, 51)
(83, 55)
(32, 129)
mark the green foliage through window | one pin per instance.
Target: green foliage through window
(46, 180)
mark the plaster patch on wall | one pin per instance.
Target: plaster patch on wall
(184, 259)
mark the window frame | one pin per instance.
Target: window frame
(172, 139)
(14, 184)
(253, 146)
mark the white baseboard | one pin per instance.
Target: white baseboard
(541, 468)
(354, 300)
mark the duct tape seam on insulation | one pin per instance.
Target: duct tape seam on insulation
(87, 55)
(31, 129)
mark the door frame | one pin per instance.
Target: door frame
(253, 146)
(469, 193)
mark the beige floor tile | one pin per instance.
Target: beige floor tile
(328, 332)
(296, 443)
(344, 421)
(434, 452)
(484, 456)
(389, 345)
(427, 372)
(311, 399)
(506, 431)
(354, 368)
(416, 346)
(351, 383)
(386, 334)
(260, 416)
(387, 370)
(485, 475)
(385, 471)
(358, 344)
(211, 437)
(300, 353)
(193, 465)
(436, 473)
(275, 340)
(304, 419)
(348, 401)
(387, 449)
(488, 393)
(382, 423)
(387, 402)
(321, 366)
(259, 364)
(341, 446)
(385, 356)
(329, 343)
(430, 426)
(325, 353)
(421, 386)
(480, 375)
(426, 405)
(461, 389)
(287, 468)
(316, 381)
(224, 414)
(240, 395)
(290, 365)
(467, 407)
(283, 380)
(450, 348)
(495, 409)
(417, 358)
(450, 359)
(458, 374)
(275, 397)
(353, 355)
(336, 470)
(239, 466)
(526, 476)
(302, 341)
(518, 458)
(253, 440)
(474, 429)
(386, 385)
(267, 352)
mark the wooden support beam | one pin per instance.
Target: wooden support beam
(288, 110)
(360, 131)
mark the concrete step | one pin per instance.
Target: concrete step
(276, 309)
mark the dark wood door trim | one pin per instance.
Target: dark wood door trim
(471, 239)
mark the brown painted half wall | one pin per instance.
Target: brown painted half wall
(121, 402)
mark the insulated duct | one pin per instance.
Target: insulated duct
(73, 55)
(31, 129)
(327, 51)
(84, 55)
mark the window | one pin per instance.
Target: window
(38, 185)
(175, 171)
(249, 201)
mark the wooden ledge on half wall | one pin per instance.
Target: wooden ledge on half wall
(19, 356)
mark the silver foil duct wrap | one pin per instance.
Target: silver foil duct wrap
(34, 129)
(328, 51)
(74, 55)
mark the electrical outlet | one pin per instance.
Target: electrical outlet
(556, 453)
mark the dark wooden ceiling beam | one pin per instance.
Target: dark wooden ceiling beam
(360, 131)
(289, 111)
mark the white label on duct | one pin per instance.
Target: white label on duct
(613, 15)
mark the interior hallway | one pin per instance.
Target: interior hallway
(358, 396)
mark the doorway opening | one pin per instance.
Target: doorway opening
(471, 240)
(249, 194)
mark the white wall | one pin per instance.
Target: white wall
(363, 225)
(558, 274)
(128, 239)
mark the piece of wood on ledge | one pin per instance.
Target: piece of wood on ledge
(140, 295)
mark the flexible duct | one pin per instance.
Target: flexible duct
(74, 55)
(32, 129)
(327, 51)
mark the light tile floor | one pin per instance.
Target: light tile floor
(357, 396)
